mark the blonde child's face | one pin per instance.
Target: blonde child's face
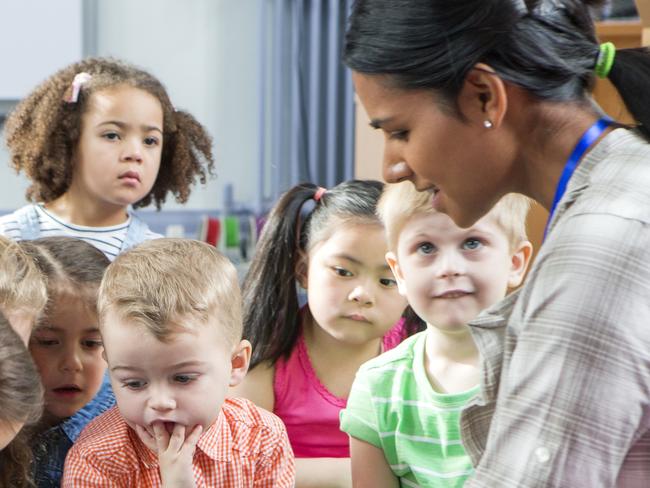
(449, 274)
(67, 350)
(351, 291)
(181, 381)
(118, 154)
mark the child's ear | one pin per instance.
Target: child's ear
(301, 269)
(519, 263)
(391, 259)
(240, 359)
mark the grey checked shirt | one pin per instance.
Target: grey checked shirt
(565, 370)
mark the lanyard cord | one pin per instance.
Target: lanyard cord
(587, 139)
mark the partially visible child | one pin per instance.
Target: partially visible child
(404, 410)
(95, 138)
(22, 288)
(21, 401)
(305, 358)
(170, 317)
(67, 349)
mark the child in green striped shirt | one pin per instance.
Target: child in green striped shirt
(404, 409)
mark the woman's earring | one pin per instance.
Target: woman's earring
(487, 124)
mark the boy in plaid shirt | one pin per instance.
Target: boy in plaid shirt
(170, 318)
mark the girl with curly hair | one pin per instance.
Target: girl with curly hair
(96, 138)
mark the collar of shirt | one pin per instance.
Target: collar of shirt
(216, 443)
(99, 404)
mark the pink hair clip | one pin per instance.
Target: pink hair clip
(79, 80)
(319, 193)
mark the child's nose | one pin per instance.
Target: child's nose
(132, 152)
(161, 400)
(361, 295)
(450, 264)
(71, 362)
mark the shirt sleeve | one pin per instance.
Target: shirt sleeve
(359, 418)
(278, 469)
(574, 390)
(9, 227)
(79, 473)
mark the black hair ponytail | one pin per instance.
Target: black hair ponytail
(630, 75)
(270, 298)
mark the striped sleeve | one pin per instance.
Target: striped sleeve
(9, 227)
(359, 418)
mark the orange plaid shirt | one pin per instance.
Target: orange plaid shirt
(246, 446)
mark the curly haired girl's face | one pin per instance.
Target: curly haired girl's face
(118, 154)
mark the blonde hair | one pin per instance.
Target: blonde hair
(401, 201)
(160, 282)
(22, 286)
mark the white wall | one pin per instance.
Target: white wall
(206, 54)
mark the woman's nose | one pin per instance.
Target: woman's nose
(396, 171)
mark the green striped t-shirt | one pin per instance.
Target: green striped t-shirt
(393, 406)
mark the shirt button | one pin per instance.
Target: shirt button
(543, 455)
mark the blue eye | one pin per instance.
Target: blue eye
(426, 248)
(472, 244)
(184, 378)
(134, 384)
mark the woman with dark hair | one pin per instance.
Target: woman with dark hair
(481, 98)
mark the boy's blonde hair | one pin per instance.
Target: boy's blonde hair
(161, 282)
(22, 286)
(401, 201)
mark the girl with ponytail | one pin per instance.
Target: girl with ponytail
(331, 244)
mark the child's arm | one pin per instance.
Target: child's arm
(323, 472)
(257, 386)
(369, 466)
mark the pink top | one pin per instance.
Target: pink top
(308, 409)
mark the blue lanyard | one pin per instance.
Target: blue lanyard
(587, 139)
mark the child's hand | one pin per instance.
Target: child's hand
(175, 453)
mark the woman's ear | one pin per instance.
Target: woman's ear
(483, 99)
(519, 264)
(240, 360)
